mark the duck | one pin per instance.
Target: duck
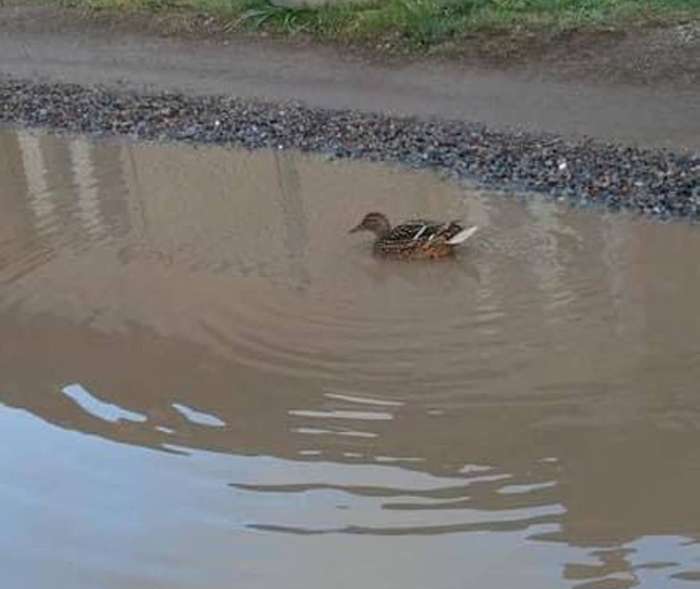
(414, 239)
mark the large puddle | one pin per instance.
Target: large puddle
(206, 382)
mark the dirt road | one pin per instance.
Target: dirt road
(34, 44)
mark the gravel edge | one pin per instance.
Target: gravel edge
(659, 183)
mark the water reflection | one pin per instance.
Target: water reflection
(100, 409)
(35, 174)
(86, 187)
(198, 417)
(253, 380)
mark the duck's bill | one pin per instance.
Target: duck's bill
(355, 229)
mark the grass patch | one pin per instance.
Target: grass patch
(418, 23)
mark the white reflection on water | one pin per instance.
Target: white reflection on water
(94, 406)
(198, 417)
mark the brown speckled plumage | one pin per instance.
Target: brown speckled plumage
(414, 239)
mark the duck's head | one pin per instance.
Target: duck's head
(377, 223)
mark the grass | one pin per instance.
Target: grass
(418, 23)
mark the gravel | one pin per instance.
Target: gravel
(660, 183)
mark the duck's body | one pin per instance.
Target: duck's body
(414, 239)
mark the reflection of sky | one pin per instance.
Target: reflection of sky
(198, 417)
(88, 509)
(107, 411)
(651, 561)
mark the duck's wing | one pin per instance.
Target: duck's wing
(451, 232)
(410, 233)
(461, 235)
(413, 230)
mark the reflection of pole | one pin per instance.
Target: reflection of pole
(620, 241)
(86, 184)
(35, 174)
(295, 222)
(547, 224)
(487, 293)
(136, 211)
(13, 207)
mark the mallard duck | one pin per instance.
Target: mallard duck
(414, 239)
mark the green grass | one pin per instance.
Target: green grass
(420, 23)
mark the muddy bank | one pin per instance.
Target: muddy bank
(653, 182)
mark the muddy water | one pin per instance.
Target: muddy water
(205, 382)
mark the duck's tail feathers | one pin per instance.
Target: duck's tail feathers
(462, 236)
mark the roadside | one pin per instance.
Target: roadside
(619, 89)
(661, 50)
(505, 31)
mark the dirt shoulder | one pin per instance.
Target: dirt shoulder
(638, 87)
(648, 53)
